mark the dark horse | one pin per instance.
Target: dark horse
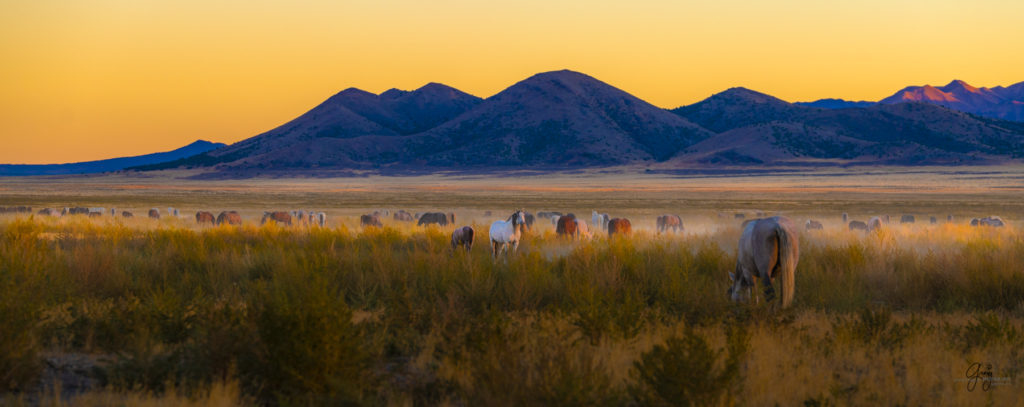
(858, 225)
(433, 217)
(371, 220)
(462, 237)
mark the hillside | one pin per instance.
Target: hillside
(113, 164)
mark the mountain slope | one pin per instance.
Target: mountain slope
(113, 164)
(566, 119)
(556, 119)
(560, 118)
(353, 128)
(738, 107)
(754, 129)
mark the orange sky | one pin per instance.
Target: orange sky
(83, 80)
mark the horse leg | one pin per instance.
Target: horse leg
(766, 258)
(494, 249)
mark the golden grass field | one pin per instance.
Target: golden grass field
(102, 311)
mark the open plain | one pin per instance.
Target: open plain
(102, 310)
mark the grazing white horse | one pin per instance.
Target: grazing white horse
(505, 233)
(875, 223)
(768, 249)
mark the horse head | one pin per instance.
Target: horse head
(518, 218)
(741, 284)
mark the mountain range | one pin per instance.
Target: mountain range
(566, 119)
(998, 102)
(113, 164)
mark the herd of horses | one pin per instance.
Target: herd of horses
(768, 248)
(877, 222)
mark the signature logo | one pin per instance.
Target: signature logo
(976, 372)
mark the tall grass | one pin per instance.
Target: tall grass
(394, 316)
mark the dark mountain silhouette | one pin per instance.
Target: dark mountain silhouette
(353, 128)
(554, 119)
(566, 119)
(738, 107)
(557, 119)
(754, 128)
(113, 164)
(835, 104)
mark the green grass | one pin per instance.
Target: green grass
(392, 316)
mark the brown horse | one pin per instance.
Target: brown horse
(462, 237)
(769, 248)
(154, 213)
(371, 220)
(619, 226)
(813, 225)
(126, 214)
(277, 217)
(205, 217)
(566, 226)
(670, 221)
(229, 217)
(907, 219)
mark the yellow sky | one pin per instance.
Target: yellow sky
(92, 79)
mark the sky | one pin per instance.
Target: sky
(93, 79)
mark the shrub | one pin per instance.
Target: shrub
(686, 371)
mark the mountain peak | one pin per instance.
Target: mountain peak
(957, 84)
(393, 93)
(435, 87)
(564, 75)
(752, 95)
(355, 92)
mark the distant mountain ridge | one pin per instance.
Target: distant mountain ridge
(566, 119)
(1005, 103)
(113, 164)
(754, 128)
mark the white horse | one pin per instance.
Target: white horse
(505, 233)
(597, 220)
(321, 219)
(875, 223)
(768, 249)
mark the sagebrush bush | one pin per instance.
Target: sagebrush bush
(687, 371)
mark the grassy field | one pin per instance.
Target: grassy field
(100, 311)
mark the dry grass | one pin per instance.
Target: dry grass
(186, 315)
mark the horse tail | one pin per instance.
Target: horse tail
(789, 254)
